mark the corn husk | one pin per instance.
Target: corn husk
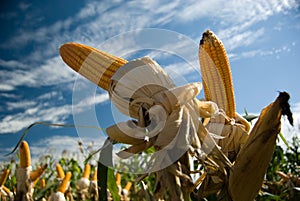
(252, 161)
(57, 196)
(143, 85)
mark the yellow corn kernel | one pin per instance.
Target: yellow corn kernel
(118, 179)
(65, 183)
(34, 175)
(95, 65)
(25, 160)
(128, 186)
(87, 171)
(60, 171)
(42, 183)
(4, 176)
(216, 73)
(95, 175)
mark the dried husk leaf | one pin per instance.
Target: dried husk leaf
(232, 137)
(24, 187)
(115, 133)
(251, 164)
(134, 149)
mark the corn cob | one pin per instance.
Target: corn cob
(42, 184)
(87, 170)
(83, 183)
(60, 171)
(25, 160)
(216, 74)
(128, 186)
(118, 179)
(126, 190)
(3, 177)
(65, 183)
(95, 65)
(34, 175)
(24, 186)
(94, 178)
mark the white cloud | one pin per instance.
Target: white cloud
(245, 38)
(6, 87)
(102, 21)
(41, 110)
(16, 122)
(19, 105)
(58, 146)
(55, 146)
(262, 52)
(52, 72)
(12, 64)
(109, 19)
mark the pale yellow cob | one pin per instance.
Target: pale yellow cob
(216, 73)
(65, 183)
(25, 160)
(95, 65)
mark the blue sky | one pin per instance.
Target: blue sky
(261, 39)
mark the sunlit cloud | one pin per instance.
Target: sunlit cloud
(41, 111)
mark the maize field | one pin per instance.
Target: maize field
(221, 155)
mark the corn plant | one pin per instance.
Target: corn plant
(201, 149)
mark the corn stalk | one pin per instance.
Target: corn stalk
(233, 158)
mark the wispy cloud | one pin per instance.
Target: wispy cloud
(52, 72)
(98, 21)
(276, 52)
(235, 12)
(43, 110)
(245, 38)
